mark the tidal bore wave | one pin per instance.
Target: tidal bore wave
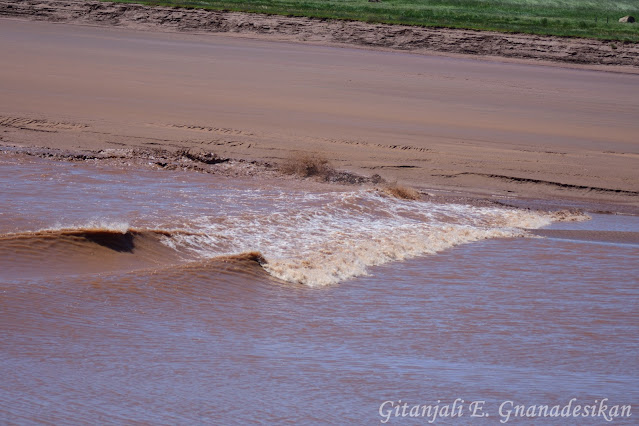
(93, 250)
(323, 240)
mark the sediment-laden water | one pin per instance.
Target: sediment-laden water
(142, 295)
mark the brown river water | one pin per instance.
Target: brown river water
(134, 295)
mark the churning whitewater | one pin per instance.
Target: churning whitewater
(321, 239)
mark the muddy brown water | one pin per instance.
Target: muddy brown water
(127, 295)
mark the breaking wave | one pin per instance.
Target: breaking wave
(315, 240)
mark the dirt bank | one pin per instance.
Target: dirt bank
(397, 37)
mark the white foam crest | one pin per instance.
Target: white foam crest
(352, 258)
(114, 226)
(322, 239)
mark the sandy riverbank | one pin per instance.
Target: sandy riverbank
(450, 125)
(623, 56)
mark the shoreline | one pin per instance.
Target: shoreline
(459, 43)
(209, 163)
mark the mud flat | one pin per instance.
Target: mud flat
(445, 125)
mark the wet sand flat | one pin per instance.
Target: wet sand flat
(439, 123)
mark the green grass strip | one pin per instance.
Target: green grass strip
(572, 18)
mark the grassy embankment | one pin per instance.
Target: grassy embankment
(576, 18)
